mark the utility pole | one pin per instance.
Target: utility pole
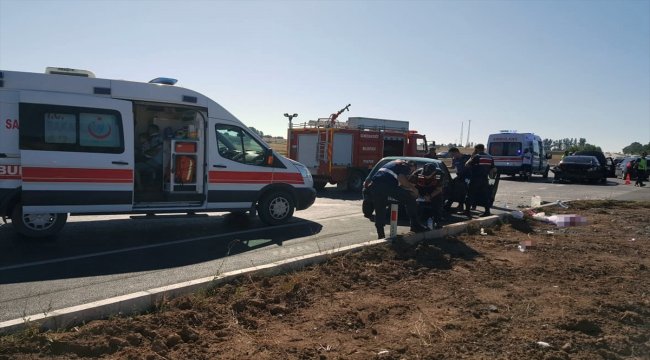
(460, 140)
(289, 132)
(469, 126)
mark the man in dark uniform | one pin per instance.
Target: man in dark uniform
(481, 166)
(391, 180)
(459, 183)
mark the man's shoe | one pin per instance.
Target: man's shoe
(380, 234)
(485, 214)
(467, 213)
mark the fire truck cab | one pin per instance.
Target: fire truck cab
(71, 143)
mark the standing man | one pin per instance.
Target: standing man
(641, 169)
(481, 166)
(459, 183)
(391, 180)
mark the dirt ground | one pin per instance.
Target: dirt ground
(580, 292)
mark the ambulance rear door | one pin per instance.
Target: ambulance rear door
(76, 152)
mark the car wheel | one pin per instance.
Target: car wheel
(367, 208)
(37, 225)
(276, 208)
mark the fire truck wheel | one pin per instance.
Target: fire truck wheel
(319, 185)
(355, 181)
(276, 208)
(37, 225)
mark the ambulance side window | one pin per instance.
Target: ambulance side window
(235, 144)
(69, 128)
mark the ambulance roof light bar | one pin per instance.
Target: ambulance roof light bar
(68, 71)
(163, 81)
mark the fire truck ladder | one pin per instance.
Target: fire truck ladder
(322, 138)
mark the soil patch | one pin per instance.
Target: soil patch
(577, 292)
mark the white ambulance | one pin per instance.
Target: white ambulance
(518, 154)
(71, 143)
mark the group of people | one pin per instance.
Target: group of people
(421, 190)
(639, 167)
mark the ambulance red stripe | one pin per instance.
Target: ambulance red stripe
(44, 174)
(249, 177)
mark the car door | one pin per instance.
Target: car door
(76, 153)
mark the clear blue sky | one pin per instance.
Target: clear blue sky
(557, 68)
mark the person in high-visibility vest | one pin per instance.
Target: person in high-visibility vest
(641, 169)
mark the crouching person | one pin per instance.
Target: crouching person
(392, 181)
(428, 182)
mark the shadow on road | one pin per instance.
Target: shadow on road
(123, 246)
(336, 194)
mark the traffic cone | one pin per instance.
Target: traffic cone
(627, 179)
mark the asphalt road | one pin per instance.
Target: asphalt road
(98, 257)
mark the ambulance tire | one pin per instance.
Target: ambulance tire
(37, 225)
(276, 207)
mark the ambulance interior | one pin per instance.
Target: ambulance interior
(168, 154)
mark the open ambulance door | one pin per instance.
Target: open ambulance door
(76, 153)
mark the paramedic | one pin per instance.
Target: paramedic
(391, 180)
(481, 166)
(459, 183)
(428, 181)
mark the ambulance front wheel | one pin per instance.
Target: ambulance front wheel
(276, 208)
(37, 225)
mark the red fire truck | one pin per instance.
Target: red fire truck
(343, 153)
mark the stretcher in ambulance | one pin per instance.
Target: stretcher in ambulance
(83, 145)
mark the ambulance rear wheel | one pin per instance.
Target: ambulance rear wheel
(37, 225)
(276, 208)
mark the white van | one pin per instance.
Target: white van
(518, 154)
(71, 143)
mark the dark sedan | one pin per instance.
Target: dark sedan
(579, 168)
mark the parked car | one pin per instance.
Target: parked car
(622, 168)
(367, 206)
(579, 168)
(607, 167)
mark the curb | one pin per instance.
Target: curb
(142, 301)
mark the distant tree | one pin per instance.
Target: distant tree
(636, 148)
(547, 144)
(582, 142)
(259, 133)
